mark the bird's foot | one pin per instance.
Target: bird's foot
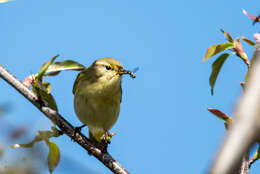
(100, 145)
(106, 137)
(77, 130)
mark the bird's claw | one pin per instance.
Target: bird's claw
(106, 137)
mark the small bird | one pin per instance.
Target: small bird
(97, 97)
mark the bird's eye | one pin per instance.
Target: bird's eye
(108, 67)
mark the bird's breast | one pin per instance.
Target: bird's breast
(98, 105)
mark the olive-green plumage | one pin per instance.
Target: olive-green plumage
(97, 96)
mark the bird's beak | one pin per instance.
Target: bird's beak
(122, 71)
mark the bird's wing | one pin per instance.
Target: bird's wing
(76, 83)
(121, 93)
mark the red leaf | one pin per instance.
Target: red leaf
(249, 15)
(220, 115)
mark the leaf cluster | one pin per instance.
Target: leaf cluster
(233, 46)
(49, 68)
(43, 90)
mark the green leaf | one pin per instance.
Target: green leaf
(248, 41)
(215, 49)
(44, 67)
(47, 97)
(228, 36)
(216, 66)
(54, 156)
(42, 89)
(42, 136)
(47, 87)
(56, 67)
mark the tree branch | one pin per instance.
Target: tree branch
(63, 124)
(245, 128)
(244, 168)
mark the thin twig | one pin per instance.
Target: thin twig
(63, 124)
(245, 128)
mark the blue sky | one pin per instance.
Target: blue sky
(164, 126)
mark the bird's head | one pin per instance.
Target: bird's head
(109, 68)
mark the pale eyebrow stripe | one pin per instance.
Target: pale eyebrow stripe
(102, 64)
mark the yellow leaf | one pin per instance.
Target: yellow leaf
(215, 49)
(54, 156)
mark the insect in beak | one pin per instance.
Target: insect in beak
(122, 71)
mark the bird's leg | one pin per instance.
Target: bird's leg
(103, 144)
(99, 144)
(106, 137)
(105, 140)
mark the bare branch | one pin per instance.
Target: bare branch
(245, 128)
(64, 125)
(244, 168)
